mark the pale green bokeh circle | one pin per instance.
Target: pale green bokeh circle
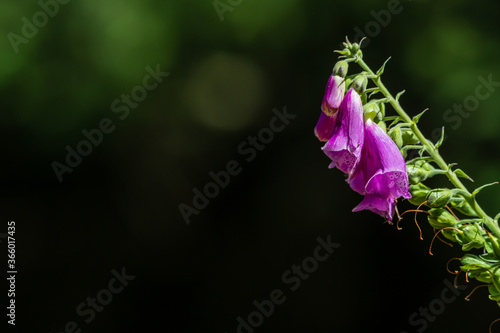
(225, 92)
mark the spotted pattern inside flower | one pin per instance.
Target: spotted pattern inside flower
(346, 161)
(398, 180)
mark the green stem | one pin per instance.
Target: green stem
(433, 152)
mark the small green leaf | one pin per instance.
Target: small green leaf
(400, 94)
(460, 204)
(494, 293)
(409, 138)
(372, 91)
(477, 190)
(471, 260)
(483, 277)
(420, 159)
(422, 151)
(396, 120)
(417, 117)
(495, 245)
(404, 150)
(381, 69)
(497, 217)
(440, 142)
(462, 174)
(475, 244)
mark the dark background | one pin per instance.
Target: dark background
(119, 207)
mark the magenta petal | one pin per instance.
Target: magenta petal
(380, 174)
(383, 165)
(357, 179)
(334, 93)
(324, 127)
(377, 204)
(344, 147)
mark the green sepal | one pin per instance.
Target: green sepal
(343, 52)
(477, 190)
(417, 117)
(382, 68)
(400, 94)
(473, 262)
(475, 244)
(495, 246)
(488, 248)
(450, 234)
(441, 139)
(470, 238)
(460, 173)
(483, 277)
(497, 217)
(496, 276)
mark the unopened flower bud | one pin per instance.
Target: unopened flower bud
(470, 238)
(381, 124)
(419, 193)
(340, 68)
(334, 94)
(419, 170)
(359, 84)
(370, 110)
(439, 197)
(415, 174)
(354, 48)
(440, 218)
(396, 136)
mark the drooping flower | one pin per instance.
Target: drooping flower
(345, 145)
(380, 174)
(334, 93)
